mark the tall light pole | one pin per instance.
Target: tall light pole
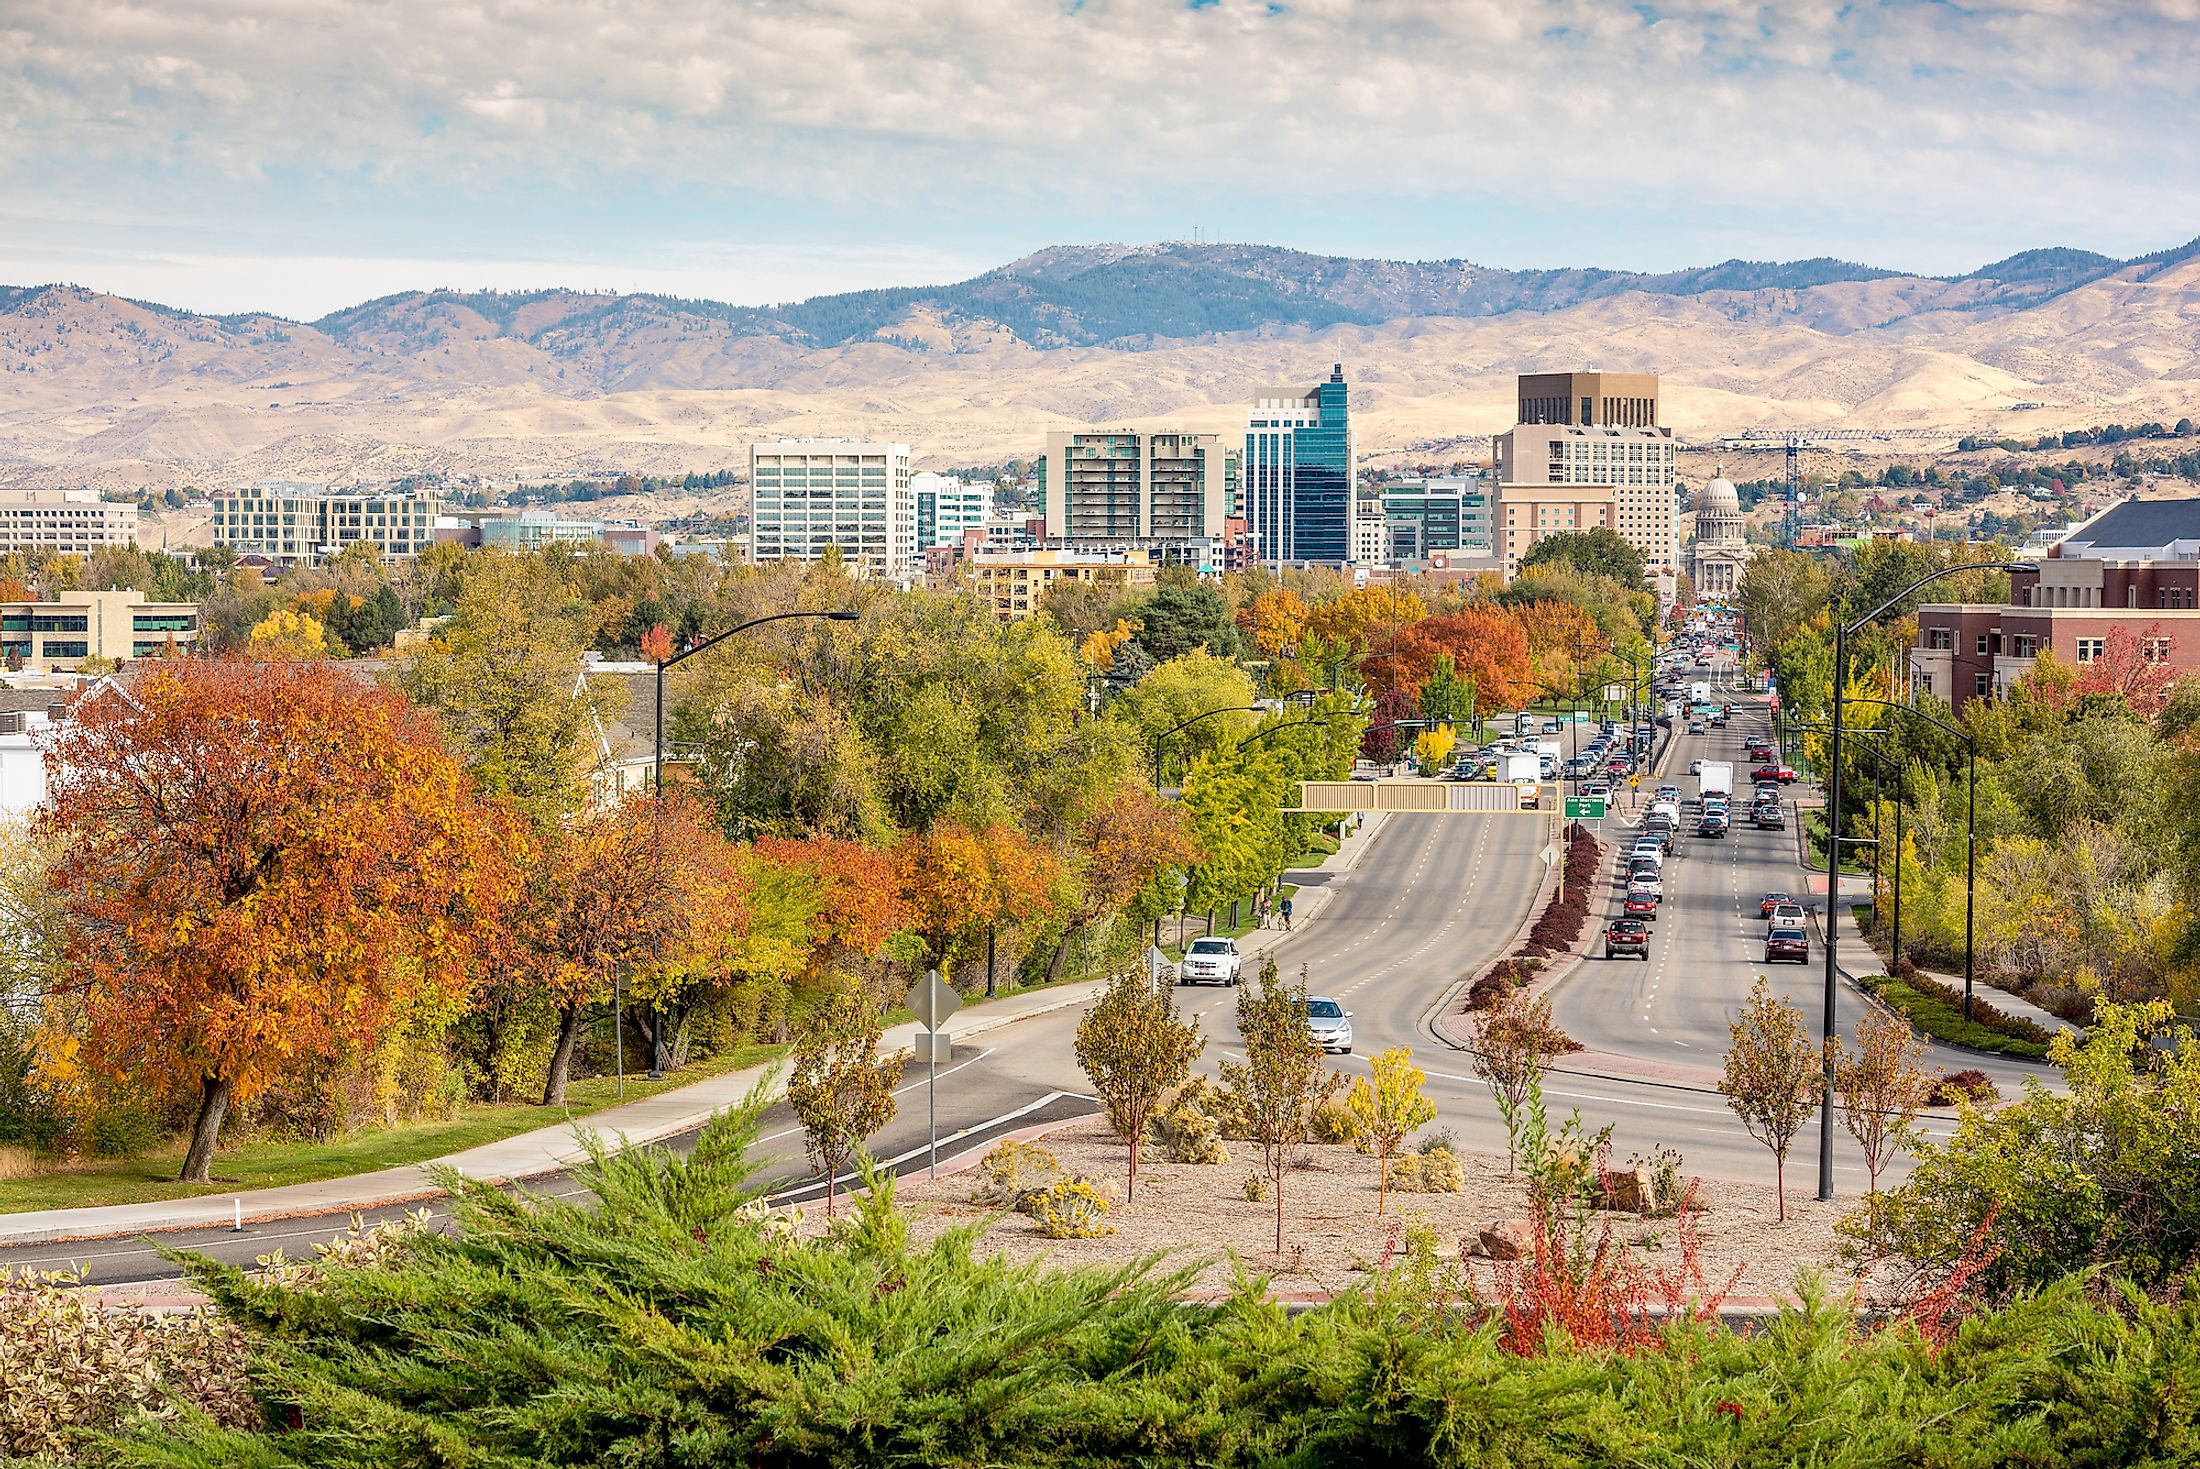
(1841, 631)
(1162, 738)
(844, 614)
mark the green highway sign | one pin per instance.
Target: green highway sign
(1584, 808)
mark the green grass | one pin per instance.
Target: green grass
(150, 1177)
(1945, 1022)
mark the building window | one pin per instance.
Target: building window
(1982, 684)
(2090, 649)
(1982, 643)
(2155, 650)
(1940, 639)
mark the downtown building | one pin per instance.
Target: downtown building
(1127, 487)
(297, 524)
(1439, 517)
(1296, 478)
(946, 506)
(1591, 440)
(2132, 571)
(812, 497)
(67, 522)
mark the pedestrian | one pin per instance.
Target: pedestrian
(1286, 915)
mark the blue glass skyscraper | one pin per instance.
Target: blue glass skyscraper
(1296, 480)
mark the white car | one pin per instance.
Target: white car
(1786, 915)
(1695, 767)
(1651, 848)
(1649, 886)
(1331, 1024)
(1210, 961)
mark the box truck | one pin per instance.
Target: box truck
(1524, 768)
(1716, 778)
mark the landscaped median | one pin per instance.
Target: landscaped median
(1937, 1010)
(1556, 930)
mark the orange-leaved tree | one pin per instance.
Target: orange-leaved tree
(859, 901)
(1486, 645)
(957, 883)
(1369, 618)
(263, 863)
(1130, 839)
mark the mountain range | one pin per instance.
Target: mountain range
(103, 390)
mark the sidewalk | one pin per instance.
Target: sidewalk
(556, 1147)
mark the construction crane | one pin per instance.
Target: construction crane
(1791, 518)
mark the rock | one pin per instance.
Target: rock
(1509, 1239)
(1632, 1192)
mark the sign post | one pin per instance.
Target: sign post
(932, 1000)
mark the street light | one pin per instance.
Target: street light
(1970, 858)
(1841, 631)
(844, 614)
(1161, 738)
(656, 1037)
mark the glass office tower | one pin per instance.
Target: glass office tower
(1296, 477)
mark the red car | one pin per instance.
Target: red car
(1772, 901)
(1627, 936)
(1760, 750)
(1640, 905)
(1787, 943)
(1780, 773)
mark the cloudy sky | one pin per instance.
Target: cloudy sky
(301, 155)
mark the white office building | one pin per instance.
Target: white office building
(64, 521)
(811, 494)
(300, 524)
(1636, 462)
(946, 507)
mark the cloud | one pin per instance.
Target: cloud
(875, 120)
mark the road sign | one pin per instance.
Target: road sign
(1634, 780)
(1584, 808)
(1550, 854)
(932, 1000)
(1157, 965)
(1616, 693)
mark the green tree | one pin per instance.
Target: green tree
(1180, 618)
(1600, 552)
(1182, 689)
(1880, 1087)
(1386, 1110)
(841, 1089)
(1133, 1046)
(1772, 1076)
(1446, 698)
(1281, 1083)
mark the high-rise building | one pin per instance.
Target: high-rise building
(1600, 428)
(810, 494)
(1610, 399)
(1296, 480)
(299, 524)
(1528, 513)
(1116, 487)
(946, 506)
(64, 520)
(1445, 513)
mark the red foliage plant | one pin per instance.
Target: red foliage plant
(1584, 1290)
(1936, 1309)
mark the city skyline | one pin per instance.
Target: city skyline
(216, 157)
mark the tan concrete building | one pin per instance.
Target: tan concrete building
(1636, 462)
(1010, 583)
(1720, 556)
(300, 524)
(1526, 513)
(119, 626)
(1110, 486)
(1609, 399)
(66, 521)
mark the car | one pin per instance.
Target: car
(1627, 936)
(1760, 750)
(1669, 793)
(1655, 852)
(1695, 726)
(1713, 824)
(1552, 726)
(1718, 721)
(1647, 883)
(1597, 789)
(1787, 915)
(1787, 943)
(1695, 767)
(1771, 901)
(1639, 906)
(1210, 961)
(1331, 1024)
(1769, 817)
(1781, 773)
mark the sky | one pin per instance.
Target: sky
(299, 156)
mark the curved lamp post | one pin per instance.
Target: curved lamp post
(1841, 631)
(1163, 737)
(1880, 761)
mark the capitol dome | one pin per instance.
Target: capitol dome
(1718, 497)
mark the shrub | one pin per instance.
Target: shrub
(1188, 1126)
(1333, 1122)
(1436, 1172)
(1072, 1209)
(74, 1368)
(1925, 1003)
(1011, 1171)
(1951, 1087)
(1256, 1189)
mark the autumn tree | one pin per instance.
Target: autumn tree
(287, 634)
(1121, 848)
(1772, 1076)
(1386, 1110)
(263, 863)
(957, 883)
(1370, 618)
(1514, 1041)
(2134, 665)
(504, 675)
(1487, 646)
(1275, 620)
(1881, 1086)
(841, 1089)
(1133, 1046)
(1281, 1082)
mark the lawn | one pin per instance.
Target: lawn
(253, 1165)
(1944, 1022)
(1195, 925)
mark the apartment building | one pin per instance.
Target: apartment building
(2133, 571)
(946, 506)
(1010, 583)
(1126, 485)
(299, 524)
(1296, 478)
(852, 494)
(70, 522)
(1636, 462)
(57, 636)
(1526, 513)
